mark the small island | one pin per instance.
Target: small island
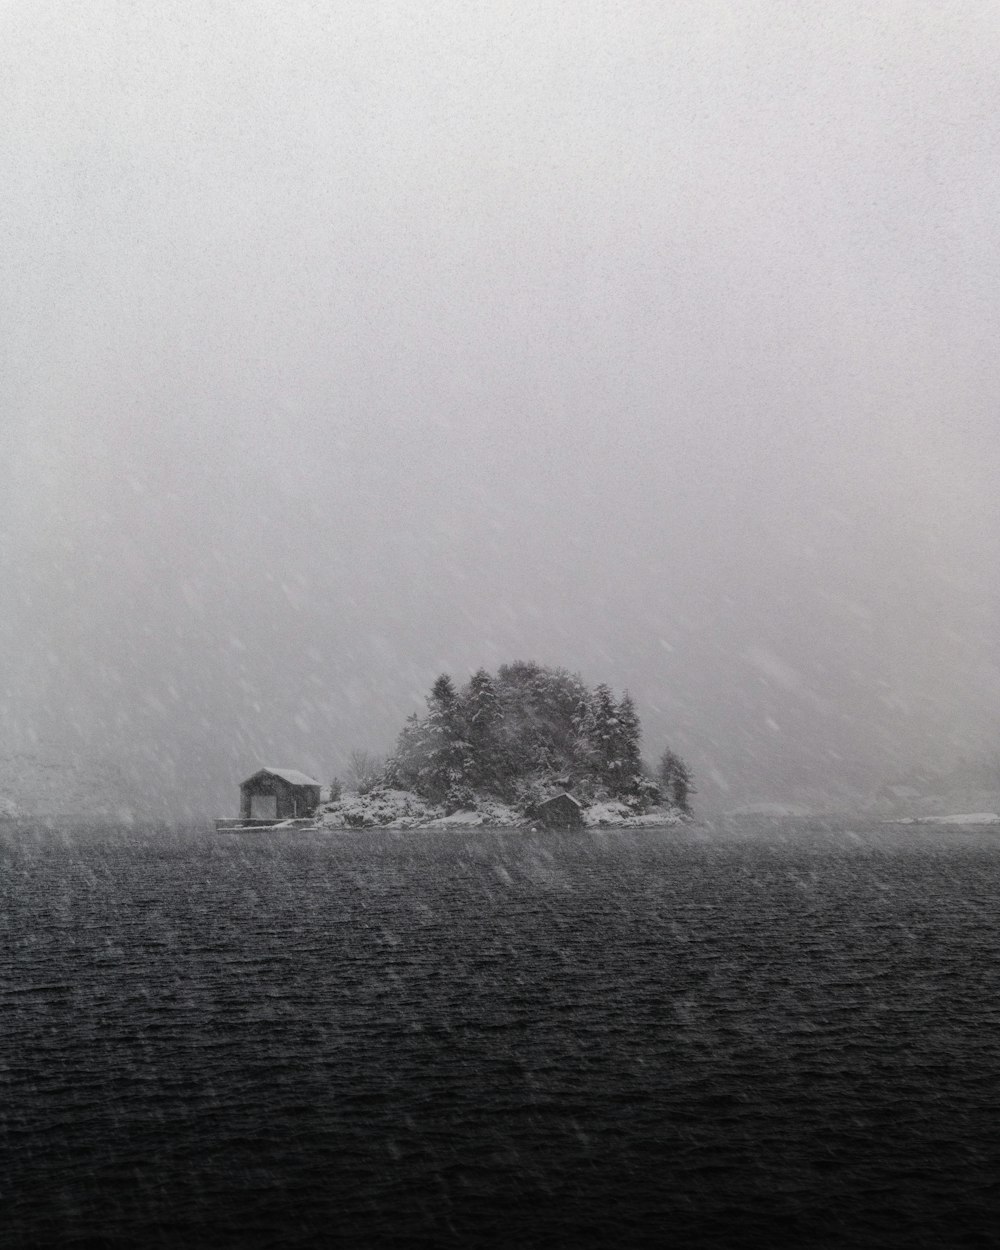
(527, 745)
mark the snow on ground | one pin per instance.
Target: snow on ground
(401, 809)
(489, 812)
(381, 809)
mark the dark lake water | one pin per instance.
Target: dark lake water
(780, 1036)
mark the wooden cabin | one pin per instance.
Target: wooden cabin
(273, 794)
(562, 811)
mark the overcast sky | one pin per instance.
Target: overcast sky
(346, 343)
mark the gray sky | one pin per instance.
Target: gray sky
(345, 343)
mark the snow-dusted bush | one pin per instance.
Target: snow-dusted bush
(381, 808)
(460, 798)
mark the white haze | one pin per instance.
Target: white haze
(346, 343)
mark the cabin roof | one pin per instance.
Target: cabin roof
(564, 795)
(291, 775)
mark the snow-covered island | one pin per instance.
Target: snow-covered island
(528, 745)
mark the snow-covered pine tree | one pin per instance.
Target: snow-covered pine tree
(481, 715)
(630, 779)
(582, 744)
(447, 765)
(602, 731)
(408, 763)
(675, 780)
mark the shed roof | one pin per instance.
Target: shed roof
(564, 795)
(291, 775)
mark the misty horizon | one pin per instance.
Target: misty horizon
(348, 347)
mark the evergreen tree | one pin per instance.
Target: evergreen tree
(628, 762)
(482, 718)
(582, 722)
(407, 767)
(675, 780)
(539, 709)
(602, 732)
(447, 763)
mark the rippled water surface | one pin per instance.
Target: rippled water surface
(462, 1038)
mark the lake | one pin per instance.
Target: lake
(676, 1036)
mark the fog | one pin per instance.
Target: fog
(349, 343)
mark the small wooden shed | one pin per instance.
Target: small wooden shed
(562, 811)
(278, 794)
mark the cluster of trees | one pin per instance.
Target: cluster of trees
(526, 731)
